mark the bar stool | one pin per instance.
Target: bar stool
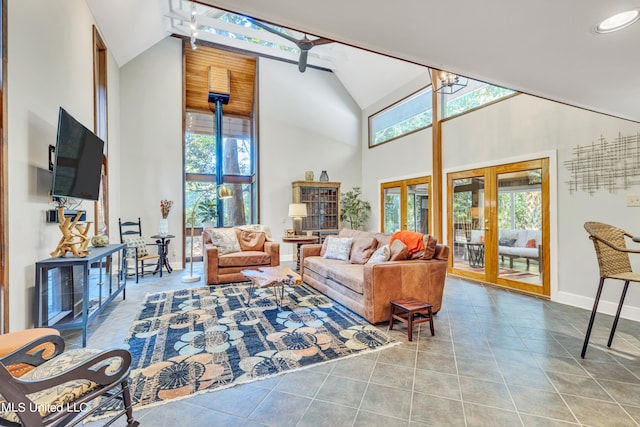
(412, 312)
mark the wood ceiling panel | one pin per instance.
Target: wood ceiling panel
(242, 70)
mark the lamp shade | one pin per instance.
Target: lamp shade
(224, 191)
(297, 210)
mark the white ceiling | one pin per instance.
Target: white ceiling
(545, 47)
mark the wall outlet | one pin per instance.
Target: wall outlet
(633, 199)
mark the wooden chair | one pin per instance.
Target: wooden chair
(137, 249)
(614, 263)
(58, 390)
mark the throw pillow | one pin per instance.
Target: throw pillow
(429, 242)
(531, 243)
(381, 254)
(225, 240)
(507, 241)
(398, 251)
(362, 249)
(338, 248)
(139, 243)
(251, 240)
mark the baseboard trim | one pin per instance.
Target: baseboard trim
(628, 312)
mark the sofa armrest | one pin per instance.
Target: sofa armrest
(273, 249)
(312, 249)
(387, 281)
(210, 260)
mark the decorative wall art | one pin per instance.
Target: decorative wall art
(605, 165)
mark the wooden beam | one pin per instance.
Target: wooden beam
(436, 155)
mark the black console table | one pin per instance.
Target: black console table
(70, 291)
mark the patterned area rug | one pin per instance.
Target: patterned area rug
(204, 339)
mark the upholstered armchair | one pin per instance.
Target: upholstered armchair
(61, 385)
(228, 251)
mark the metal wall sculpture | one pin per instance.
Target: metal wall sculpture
(605, 165)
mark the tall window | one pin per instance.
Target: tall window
(402, 118)
(239, 173)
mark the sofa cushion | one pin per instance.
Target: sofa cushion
(412, 239)
(381, 254)
(244, 258)
(531, 243)
(251, 240)
(429, 243)
(362, 249)
(225, 239)
(398, 251)
(349, 275)
(134, 243)
(338, 248)
(507, 241)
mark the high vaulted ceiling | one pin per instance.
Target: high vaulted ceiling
(545, 48)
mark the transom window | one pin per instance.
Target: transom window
(474, 95)
(406, 116)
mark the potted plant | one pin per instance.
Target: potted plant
(353, 209)
(206, 212)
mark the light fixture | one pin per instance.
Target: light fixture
(297, 211)
(193, 26)
(618, 21)
(450, 83)
(224, 191)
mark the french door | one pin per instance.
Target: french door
(498, 224)
(406, 205)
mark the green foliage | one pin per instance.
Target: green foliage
(207, 210)
(520, 210)
(473, 99)
(353, 209)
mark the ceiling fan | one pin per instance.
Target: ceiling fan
(304, 44)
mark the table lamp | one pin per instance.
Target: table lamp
(297, 211)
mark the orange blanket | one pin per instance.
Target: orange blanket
(412, 239)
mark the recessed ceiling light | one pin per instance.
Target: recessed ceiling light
(618, 21)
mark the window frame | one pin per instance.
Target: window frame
(391, 107)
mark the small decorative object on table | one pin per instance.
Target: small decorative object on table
(99, 240)
(324, 177)
(165, 208)
(308, 176)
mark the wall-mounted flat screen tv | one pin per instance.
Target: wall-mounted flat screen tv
(78, 160)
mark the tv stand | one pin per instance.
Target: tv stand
(69, 293)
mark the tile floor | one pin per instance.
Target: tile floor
(498, 359)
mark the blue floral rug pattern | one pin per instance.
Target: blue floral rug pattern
(196, 340)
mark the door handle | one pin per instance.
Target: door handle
(486, 229)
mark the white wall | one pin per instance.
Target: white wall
(406, 157)
(525, 126)
(307, 122)
(50, 64)
(151, 141)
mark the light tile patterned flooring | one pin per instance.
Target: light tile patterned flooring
(498, 359)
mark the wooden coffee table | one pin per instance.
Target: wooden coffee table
(268, 277)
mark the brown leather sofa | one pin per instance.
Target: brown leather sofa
(367, 288)
(255, 252)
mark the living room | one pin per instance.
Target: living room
(307, 122)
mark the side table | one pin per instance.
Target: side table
(297, 241)
(163, 249)
(475, 252)
(412, 312)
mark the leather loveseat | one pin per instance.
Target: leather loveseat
(367, 288)
(228, 251)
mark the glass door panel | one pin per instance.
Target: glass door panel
(467, 224)
(418, 208)
(391, 207)
(519, 224)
